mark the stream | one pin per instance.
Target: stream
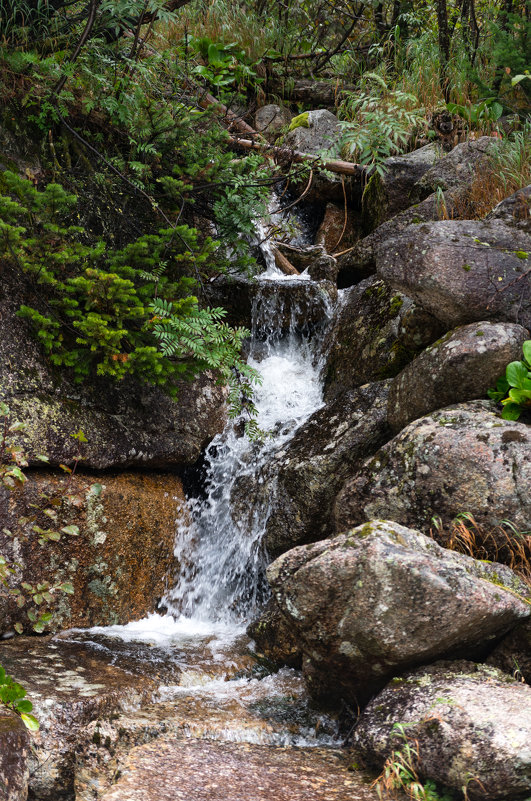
(219, 726)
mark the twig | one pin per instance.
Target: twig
(346, 215)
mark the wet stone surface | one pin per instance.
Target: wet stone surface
(172, 770)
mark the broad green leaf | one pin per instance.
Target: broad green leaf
(23, 705)
(516, 373)
(511, 411)
(30, 722)
(526, 347)
(72, 530)
(67, 587)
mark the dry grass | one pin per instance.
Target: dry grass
(503, 543)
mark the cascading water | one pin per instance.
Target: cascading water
(222, 562)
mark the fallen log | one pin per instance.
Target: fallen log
(283, 263)
(316, 94)
(286, 154)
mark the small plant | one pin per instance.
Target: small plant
(503, 543)
(513, 390)
(13, 696)
(477, 115)
(381, 123)
(400, 773)
(224, 64)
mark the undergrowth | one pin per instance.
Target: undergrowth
(503, 543)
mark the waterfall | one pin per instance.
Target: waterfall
(221, 557)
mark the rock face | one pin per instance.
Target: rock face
(515, 210)
(275, 638)
(457, 168)
(318, 131)
(382, 598)
(270, 120)
(462, 459)
(69, 685)
(14, 752)
(120, 562)
(469, 724)
(125, 423)
(461, 271)
(301, 305)
(324, 451)
(376, 332)
(337, 233)
(459, 367)
(513, 654)
(389, 194)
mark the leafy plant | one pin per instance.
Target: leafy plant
(114, 313)
(224, 64)
(13, 695)
(514, 389)
(486, 111)
(381, 124)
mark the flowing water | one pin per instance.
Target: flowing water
(212, 688)
(222, 582)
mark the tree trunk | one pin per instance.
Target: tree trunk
(444, 47)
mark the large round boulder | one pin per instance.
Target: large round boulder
(459, 367)
(376, 332)
(463, 725)
(462, 459)
(389, 194)
(381, 598)
(461, 270)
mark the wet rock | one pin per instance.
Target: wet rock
(126, 423)
(292, 305)
(235, 294)
(362, 605)
(323, 269)
(375, 334)
(69, 686)
(338, 230)
(389, 194)
(301, 257)
(119, 563)
(462, 459)
(170, 770)
(274, 637)
(461, 271)
(271, 120)
(303, 305)
(515, 210)
(308, 474)
(14, 752)
(459, 367)
(457, 168)
(513, 654)
(469, 725)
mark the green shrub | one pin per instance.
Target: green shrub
(513, 389)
